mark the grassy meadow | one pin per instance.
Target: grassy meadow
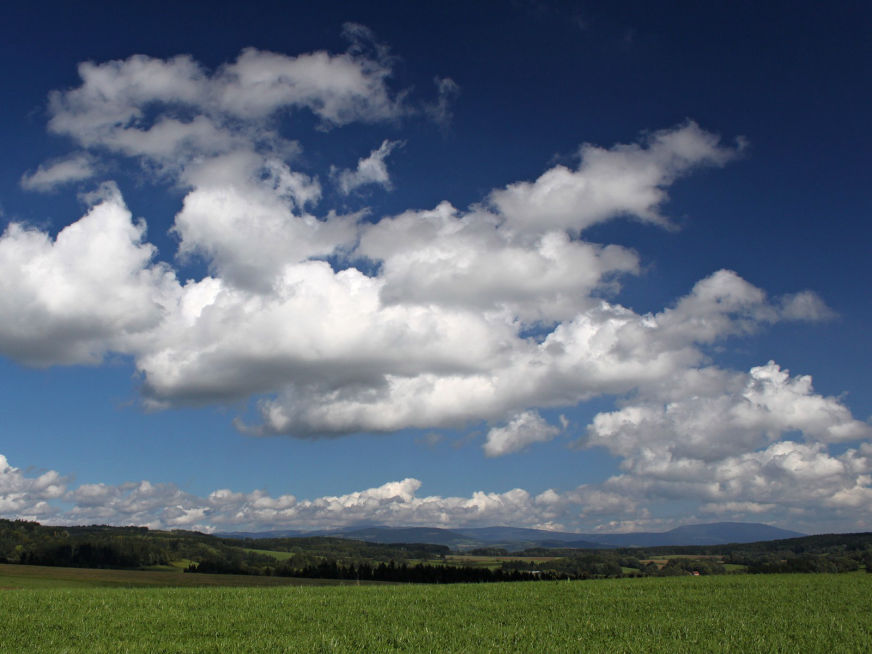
(19, 577)
(494, 561)
(733, 613)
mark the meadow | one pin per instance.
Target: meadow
(19, 577)
(731, 613)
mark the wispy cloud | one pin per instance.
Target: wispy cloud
(442, 110)
(370, 170)
(59, 172)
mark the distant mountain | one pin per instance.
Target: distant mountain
(431, 535)
(718, 533)
(518, 538)
(730, 532)
(373, 534)
(278, 533)
(516, 534)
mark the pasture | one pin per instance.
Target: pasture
(494, 562)
(18, 577)
(734, 613)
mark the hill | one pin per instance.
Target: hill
(350, 557)
(518, 538)
(718, 533)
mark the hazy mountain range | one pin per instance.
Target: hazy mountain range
(517, 538)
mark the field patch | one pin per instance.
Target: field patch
(278, 556)
(49, 577)
(735, 613)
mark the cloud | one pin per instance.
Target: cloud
(339, 351)
(442, 110)
(248, 217)
(336, 321)
(623, 180)
(522, 430)
(727, 440)
(737, 508)
(337, 357)
(176, 117)
(370, 170)
(58, 172)
(710, 414)
(247, 210)
(109, 107)
(430, 439)
(167, 506)
(464, 259)
(805, 305)
(818, 489)
(496, 372)
(339, 89)
(28, 497)
(94, 288)
(786, 473)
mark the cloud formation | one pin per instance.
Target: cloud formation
(167, 506)
(52, 174)
(442, 110)
(628, 179)
(92, 289)
(801, 481)
(710, 413)
(109, 108)
(340, 320)
(370, 170)
(25, 496)
(522, 430)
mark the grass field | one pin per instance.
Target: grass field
(734, 613)
(493, 562)
(17, 577)
(278, 556)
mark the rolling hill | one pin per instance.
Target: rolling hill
(517, 538)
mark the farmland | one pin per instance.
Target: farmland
(18, 577)
(733, 613)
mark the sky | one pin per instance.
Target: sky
(585, 266)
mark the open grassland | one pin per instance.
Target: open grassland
(663, 560)
(278, 556)
(494, 561)
(15, 577)
(735, 613)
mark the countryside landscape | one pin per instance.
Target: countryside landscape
(132, 589)
(511, 326)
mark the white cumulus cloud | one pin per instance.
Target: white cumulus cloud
(522, 430)
(818, 489)
(336, 320)
(90, 290)
(623, 180)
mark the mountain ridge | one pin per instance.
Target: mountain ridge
(517, 538)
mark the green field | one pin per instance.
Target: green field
(493, 562)
(19, 577)
(733, 613)
(278, 556)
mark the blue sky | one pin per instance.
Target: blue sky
(582, 266)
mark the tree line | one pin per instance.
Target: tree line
(390, 572)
